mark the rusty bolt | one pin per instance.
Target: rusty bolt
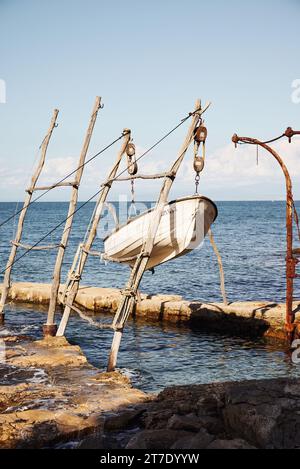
(235, 139)
(289, 133)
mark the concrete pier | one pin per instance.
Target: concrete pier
(253, 318)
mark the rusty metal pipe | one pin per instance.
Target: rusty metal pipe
(290, 260)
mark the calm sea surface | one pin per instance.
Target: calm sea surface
(251, 238)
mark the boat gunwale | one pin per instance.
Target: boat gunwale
(182, 199)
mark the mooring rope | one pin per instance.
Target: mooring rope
(63, 179)
(266, 142)
(191, 114)
(83, 316)
(220, 263)
(296, 218)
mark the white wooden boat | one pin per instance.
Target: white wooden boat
(182, 228)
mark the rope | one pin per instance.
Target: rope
(296, 219)
(63, 179)
(221, 270)
(102, 188)
(50, 233)
(14, 222)
(88, 318)
(104, 257)
(266, 142)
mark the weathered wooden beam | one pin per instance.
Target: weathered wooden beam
(34, 179)
(82, 253)
(69, 220)
(141, 176)
(35, 248)
(129, 294)
(53, 186)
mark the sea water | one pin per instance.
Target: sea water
(251, 239)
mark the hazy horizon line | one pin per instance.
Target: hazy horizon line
(138, 201)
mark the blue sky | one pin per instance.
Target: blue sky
(149, 60)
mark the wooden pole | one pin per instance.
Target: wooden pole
(30, 190)
(50, 328)
(129, 294)
(75, 276)
(113, 356)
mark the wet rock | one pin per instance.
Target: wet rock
(157, 419)
(230, 444)
(252, 423)
(113, 377)
(123, 420)
(65, 398)
(93, 441)
(14, 338)
(10, 395)
(188, 422)
(213, 425)
(156, 439)
(50, 352)
(201, 440)
(265, 413)
(253, 414)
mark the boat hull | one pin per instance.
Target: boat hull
(182, 228)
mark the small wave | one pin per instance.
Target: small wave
(4, 332)
(39, 376)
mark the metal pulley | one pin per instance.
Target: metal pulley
(132, 169)
(200, 134)
(200, 137)
(131, 160)
(198, 164)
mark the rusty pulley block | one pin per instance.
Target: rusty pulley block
(132, 169)
(200, 134)
(200, 137)
(198, 164)
(132, 166)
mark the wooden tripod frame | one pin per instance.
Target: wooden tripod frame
(16, 243)
(50, 327)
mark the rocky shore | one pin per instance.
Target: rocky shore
(51, 397)
(246, 415)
